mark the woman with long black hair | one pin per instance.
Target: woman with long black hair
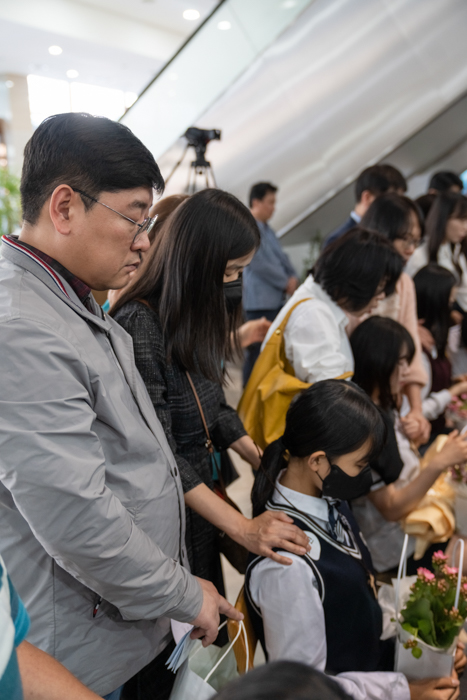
(323, 610)
(383, 350)
(182, 314)
(436, 291)
(445, 230)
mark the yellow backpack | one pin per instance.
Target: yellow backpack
(270, 389)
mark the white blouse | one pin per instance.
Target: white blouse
(293, 615)
(315, 338)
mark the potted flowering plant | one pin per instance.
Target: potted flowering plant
(430, 621)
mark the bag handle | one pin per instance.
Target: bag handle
(241, 628)
(285, 320)
(401, 572)
(209, 445)
(460, 542)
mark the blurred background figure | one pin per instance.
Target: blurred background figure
(270, 276)
(371, 183)
(445, 181)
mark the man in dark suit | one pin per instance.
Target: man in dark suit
(373, 181)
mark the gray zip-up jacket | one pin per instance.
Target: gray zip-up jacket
(91, 503)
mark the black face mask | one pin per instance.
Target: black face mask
(233, 294)
(338, 484)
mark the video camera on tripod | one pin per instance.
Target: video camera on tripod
(198, 139)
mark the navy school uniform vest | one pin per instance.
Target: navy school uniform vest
(353, 617)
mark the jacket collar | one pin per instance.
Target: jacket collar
(317, 292)
(15, 252)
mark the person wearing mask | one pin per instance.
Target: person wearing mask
(436, 291)
(445, 181)
(350, 276)
(91, 504)
(323, 610)
(445, 229)
(270, 275)
(252, 331)
(373, 181)
(383, 350)
(399, 219)
(181, 349)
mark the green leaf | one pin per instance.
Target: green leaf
(417, 652)
(408, 628)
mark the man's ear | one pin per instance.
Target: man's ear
(63, 205)
(367, 198)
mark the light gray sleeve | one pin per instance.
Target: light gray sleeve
(53, 464)
(436, 403)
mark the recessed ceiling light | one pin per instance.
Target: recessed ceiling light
(224, 25)
(55, 50)
(9, 83)
(72, 73)
(191, 14)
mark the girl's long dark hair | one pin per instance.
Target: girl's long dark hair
(183, 280)
(433, 285)
(377, 344)
(334, 416)
(450, 205)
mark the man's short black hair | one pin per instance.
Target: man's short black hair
(352, 268)
(374, 179)
(93, 154)
(397, 181)
(260, 190)
(444, 180)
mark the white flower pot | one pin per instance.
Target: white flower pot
(433, 663)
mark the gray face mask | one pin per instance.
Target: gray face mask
(338, 484)
(233, 294)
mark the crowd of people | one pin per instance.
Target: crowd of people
(115, 429)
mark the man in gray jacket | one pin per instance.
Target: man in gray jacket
(91, 504)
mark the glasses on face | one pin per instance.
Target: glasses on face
(410, 242)
(144, 228)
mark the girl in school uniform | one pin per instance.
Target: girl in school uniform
(383, 351)
(323, 609)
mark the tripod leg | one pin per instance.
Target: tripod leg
(176, 165)
(212, 175)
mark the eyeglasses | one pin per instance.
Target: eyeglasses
(145, 227)
(409, 241)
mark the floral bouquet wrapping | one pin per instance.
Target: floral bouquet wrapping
(458, 481)
(430, 620)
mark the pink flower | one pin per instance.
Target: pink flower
(464, 586)
(439, 556)
(425, 574)
(451, 570)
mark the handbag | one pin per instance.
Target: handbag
(207, 670)
(270, 389)
(234, 552)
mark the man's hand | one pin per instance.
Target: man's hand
(207, 622)
(292, 285)
(274, 530)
